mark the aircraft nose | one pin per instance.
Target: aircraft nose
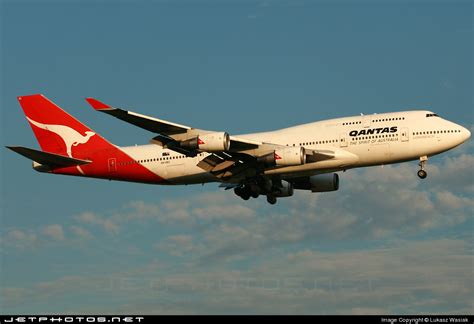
(465, 133)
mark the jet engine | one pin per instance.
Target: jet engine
(319, 183)
(285, 157)
(211, 142)
(286, 190)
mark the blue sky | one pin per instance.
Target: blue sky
(385, 243)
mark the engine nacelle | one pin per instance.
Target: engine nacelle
(211, 142)
(286, 190)
(285, 157)
(324, 182)
(320, 183)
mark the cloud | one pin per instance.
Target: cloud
(455, 172)
(207, 207)
(165, 212)
(410, 277)
(373, 203)
(227, 212)
(94, 219)
(204, 208)
(177, 245)
(42, 237)
(20, 239)
(351, 251)
(54, 232)
(80, 232)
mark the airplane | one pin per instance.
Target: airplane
(271, 164)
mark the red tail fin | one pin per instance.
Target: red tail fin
(57, 131)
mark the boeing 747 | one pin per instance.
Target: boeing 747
(271, 164)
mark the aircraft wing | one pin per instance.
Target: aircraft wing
(170, 134)
(233, 168)
(242, 158)
(151, 124)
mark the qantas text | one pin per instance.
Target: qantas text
(373, 131)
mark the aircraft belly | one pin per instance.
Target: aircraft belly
(203, 177)
(379, 153)
(174, 170)
(186, 173)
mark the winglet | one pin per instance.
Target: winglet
(97, 105)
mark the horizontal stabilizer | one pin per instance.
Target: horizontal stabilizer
(45, 158)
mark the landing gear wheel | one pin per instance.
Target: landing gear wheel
(422, 174)
(245, 196)
(254, 195)
(238, 191)
(271, 200)
(242, 193)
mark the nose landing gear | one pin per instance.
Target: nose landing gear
(422, 173)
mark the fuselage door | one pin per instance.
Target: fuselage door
(405, 134)
(343, 140)
(112, 163)
(366, 121)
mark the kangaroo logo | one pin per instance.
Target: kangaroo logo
(70, 136)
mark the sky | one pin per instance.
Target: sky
(385, 243)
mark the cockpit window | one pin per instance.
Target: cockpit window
(432, 115)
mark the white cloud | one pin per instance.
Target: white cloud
(229, 211)
(54, 232)
(87, 217)
(373, 203)
(177, 245)
(411, 277)
(213, 232)
(20, 239)
(80, 232)
(455, 171)
(40, 237)
(94, 219)
(168, 211)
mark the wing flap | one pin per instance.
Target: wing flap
(46, 158)
(210, 162)
(228, 165)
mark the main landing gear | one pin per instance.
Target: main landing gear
(422, 173)
(242, 192)
(247, 191)
(271, 199)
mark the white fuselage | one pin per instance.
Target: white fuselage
(365, 140)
